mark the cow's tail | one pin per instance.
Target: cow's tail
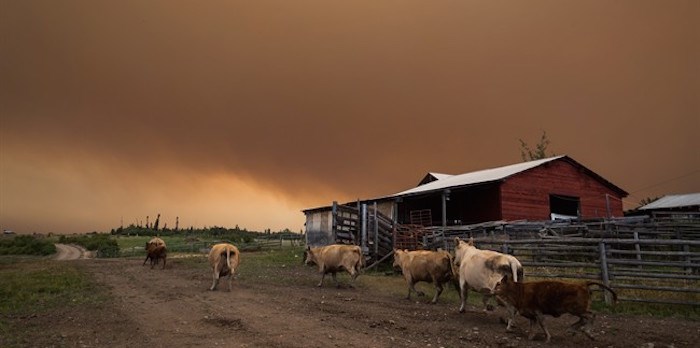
(516, 268)
(603, 286)
(228, 260)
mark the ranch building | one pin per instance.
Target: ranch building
(552, 188)
(681, 205)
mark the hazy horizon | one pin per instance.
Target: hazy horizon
(238, 112)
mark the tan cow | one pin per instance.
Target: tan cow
(426, 266)
(335, 258)
(535, 299)
(481, 270)
(224, 259)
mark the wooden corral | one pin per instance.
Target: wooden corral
(637, 256)
(364, 225)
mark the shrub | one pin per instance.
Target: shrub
(26, 245)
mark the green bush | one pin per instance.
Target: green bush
(26, 245)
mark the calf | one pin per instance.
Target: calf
(535, 299)
(335, 258)
(155, 253)
(481, 270)
(224, 259)
(427, 266)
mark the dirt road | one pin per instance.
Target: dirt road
(281, 307)
(65, 252)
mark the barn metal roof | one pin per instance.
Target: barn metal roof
(472, 178)
(445, 181)
(674, 201)
(495, 174)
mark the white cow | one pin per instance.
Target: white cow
(481, 270)
(224, 259)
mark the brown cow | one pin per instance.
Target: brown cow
(155, 253)
(535, 299)
(335, 258)
(224, 259)
(150, 245)
(427, 266)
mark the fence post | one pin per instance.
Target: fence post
(363, 239)
(637, 248)
(334, 223)
(688, 260)
(604, 270)
(376, 231)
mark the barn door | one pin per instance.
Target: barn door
(564, 207)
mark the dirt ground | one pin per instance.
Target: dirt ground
(282, 307)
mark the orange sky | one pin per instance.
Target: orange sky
(247, 112)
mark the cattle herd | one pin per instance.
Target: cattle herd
(495, 275)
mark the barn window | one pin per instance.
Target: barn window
(563, 207)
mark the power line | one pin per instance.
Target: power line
(666, 181)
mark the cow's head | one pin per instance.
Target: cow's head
(461, 247)
(503, 286)
(398, 256)
(309, 257)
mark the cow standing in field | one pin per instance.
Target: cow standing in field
(224, 259)
(535, 299)
(155, 253)
(481, 270)
(155, 250)
(335, 258)
(427, 266)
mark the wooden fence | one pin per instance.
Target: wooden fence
(644, 260)
(657, 271)
(263, 242)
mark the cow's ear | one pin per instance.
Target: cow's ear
(457, 240)
(471, 241)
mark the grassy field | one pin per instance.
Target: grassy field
(31, 286)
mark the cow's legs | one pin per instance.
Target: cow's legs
(438, 291)
(412, 287)
(353, 275)
(335, 280)
(511, 317)
(323, 276)
(463, 293)
(540, 320)
(230, 278)
(164, 257)
(584, 326)
(216, 279)
(485, 300)
(144, 261)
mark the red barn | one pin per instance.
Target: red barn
(556, 187)
(550, 188)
